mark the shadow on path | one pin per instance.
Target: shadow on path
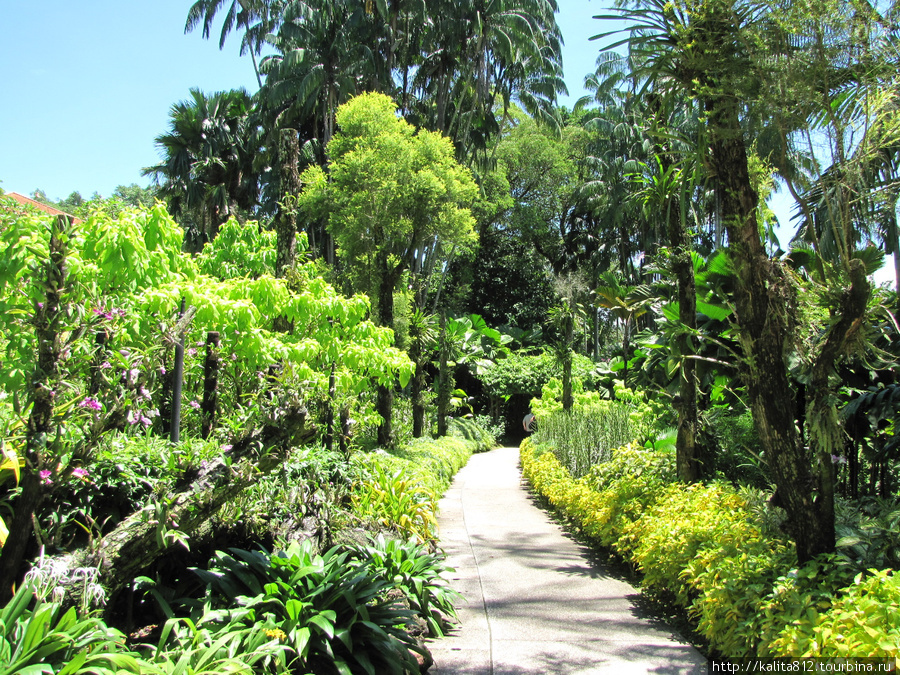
(536, 600)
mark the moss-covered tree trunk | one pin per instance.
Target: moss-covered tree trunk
(141, 539)
(48, 327)
(688, 460)
(384, 403)
(286, 217)
(765, 309)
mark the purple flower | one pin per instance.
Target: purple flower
(45, 477)
(162, 370)
(80, 473)
(92, 403)
(192, 352)
(233, 356)
(226, 448)
(145, 421)
(194, 404)
(106, 365)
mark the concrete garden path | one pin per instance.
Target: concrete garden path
(534, 603)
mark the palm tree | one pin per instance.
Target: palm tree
(319, 63)
(256, 17)
(478, 58)
(206, 174)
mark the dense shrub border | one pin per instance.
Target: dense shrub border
(348, 609)
(432, 462)
(713, 549)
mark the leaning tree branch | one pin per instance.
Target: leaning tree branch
(141, 539)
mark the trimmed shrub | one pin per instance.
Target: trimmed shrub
(432, 461)
(863, 622)
(717, 548)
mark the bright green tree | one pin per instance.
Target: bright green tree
(391, 195)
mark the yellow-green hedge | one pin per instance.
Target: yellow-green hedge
(706, 545)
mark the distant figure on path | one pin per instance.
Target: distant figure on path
(528, 421)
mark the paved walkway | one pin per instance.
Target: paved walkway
(534, 604)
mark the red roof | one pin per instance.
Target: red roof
(28, 201)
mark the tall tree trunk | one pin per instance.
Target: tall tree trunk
(39, 453)
(567, 399)
(689, 462)
(211, 365)
(765, 308)
(826, 436)
(445, 379)
(417, 354)
(329, 413)
(286, 218)
(385, 395)
(893, 236)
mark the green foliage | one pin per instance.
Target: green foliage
(528, 374)
(410, 568)
(435, 461)
(39, 637)
(797, 597)
(587, 436)
(478, 431)
(209, 153)
(127, 278)
(476, 344)
(312, 483)
(718, 551)
(739, 455)
(628, 484)
(869, 532)
(329, 609)
(704, 544)
(390, 192)
(508, 281)
(395, 501)
(403, 486)
(210, 647)
(863, 622)
(240, 250)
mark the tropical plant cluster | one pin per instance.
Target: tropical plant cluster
(98, 320)
(283, 612)
(401, 230)
(718, 551)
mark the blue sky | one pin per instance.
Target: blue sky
(88, 86)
